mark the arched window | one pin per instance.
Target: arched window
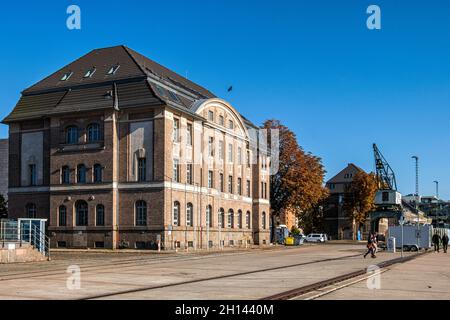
(263, 218)
(221, 218)
(230, 218)
(240, 219)
(189, 215)
(176, 213)
(81, 213)
(31, 210)
(247, 220)
(209, 222)
(141, 213)
(98, 173)
(65, 175)
(100, 215)
(81, 173)
(62, 211)
(93, 132)
(72, 135)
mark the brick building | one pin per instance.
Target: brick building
(336, 222)
(4, 168)
(117, 150)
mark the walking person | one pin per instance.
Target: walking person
(445, 242)
(436, 239)
(371, 245)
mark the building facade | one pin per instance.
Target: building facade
(336, 221)
(116, 150)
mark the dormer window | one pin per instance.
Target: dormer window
(66, 76)
(113, 69)
(90, 72)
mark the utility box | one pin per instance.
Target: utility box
(391, 244)
(388, 197)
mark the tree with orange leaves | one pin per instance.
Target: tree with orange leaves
(298, 184)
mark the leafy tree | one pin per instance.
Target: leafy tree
(359, 200)
(298, 184)
(3, 207)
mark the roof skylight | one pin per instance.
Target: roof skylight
(66, 76)
(113, 69)
(90, 72)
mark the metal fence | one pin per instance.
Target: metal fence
(22, 233)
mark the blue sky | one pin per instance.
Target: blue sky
(312, 64)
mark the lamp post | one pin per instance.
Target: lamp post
(402, 222)
(416, 158)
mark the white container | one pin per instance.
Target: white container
(391, 244)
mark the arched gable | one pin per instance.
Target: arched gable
(200, 106)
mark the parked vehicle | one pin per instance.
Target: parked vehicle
(316, 237)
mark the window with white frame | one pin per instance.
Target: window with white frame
(176, 130)
(210, 179)
(189, 215)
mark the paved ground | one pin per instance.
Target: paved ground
(249, 274)
(427, 277)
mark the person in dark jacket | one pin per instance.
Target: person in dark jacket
(436, 239)
(445, 242)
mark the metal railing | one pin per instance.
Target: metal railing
(13, 232)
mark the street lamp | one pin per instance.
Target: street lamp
(416, 158)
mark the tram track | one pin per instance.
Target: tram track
(213, 278)
(304, 290)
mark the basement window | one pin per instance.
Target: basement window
(89, 73)
(113, 69)
(66, 76)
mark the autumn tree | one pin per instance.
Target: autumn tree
(297, 186)
(359, 200)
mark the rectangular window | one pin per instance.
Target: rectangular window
(211, 146)
(230, 184)
(189, 175)
(210, 179)
(222, 187)
(189, 134)
(239, 186)
(248, 188)
(230, 124)
(230, 153)
(239, 156)
(176, 130)
(230, 220)
(248, 158)
(210, 115)
(247, 220)
(221, 121)
(262, 190)
(176, 170)
(221, 150)
(142, 169)
(32, 173)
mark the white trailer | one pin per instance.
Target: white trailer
(414, 237)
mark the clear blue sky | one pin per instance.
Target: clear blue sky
(312, 64)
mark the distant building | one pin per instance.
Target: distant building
(336, 222)
(288, 219)
(4, 168)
